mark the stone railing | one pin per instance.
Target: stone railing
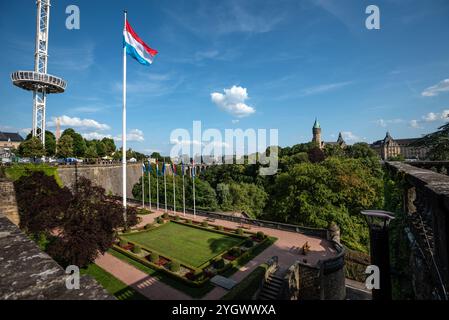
(273, 266)
(437, 166)
(426, 209)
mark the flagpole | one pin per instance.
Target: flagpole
(143, 186)
(165, 187)
(174, 189)
(183, 192)
(149, 182)
(157, 185)
(124, 129)
(193, 181)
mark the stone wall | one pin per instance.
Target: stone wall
(8, 204)
(108, 176)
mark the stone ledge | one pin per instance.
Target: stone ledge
(28, 273)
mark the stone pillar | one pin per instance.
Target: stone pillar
(334, 232)
(8, 203)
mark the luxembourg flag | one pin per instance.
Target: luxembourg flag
(136, 48)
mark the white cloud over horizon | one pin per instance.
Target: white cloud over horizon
(76, 122)
(233, 101)
(442, 86)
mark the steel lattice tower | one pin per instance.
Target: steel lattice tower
(38, 80)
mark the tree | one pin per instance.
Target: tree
(65, 147)
(50, 144)
(91, 152)
(109, 145)
(316, 155)
(437, 143)
(78, 143)
(100, 148)
(31, 148)
(360, 150)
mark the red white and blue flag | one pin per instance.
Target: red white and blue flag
(136, 48)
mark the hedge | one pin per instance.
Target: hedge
(246, 289)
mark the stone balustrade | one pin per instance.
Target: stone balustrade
(426, 209)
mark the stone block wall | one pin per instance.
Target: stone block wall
(8, 204)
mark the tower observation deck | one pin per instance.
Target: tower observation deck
(38, 81)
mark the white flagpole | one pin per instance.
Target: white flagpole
(124, 130)
(143, 187)
(149, 182)
(193, 181)
(174, 189)
(165, 188)
(183, 192)
(157, 185)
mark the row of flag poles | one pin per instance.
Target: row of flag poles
(148, 169)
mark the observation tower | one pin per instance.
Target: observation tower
(39, 81)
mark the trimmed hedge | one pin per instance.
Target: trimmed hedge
(136, 249)
(154, 257)
(175, 266)
(240, 231)
(246, 289)
(123, 243)
(204, 224)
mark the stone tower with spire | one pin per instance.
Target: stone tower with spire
(316, 133)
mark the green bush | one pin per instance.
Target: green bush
(204, 224)
(235, 252)
(123, 243)
(240, 231)
(249, 243)
(165, 215)
(154, 257)
(189, 221)
(177, 218)
(174, 266)
(260, 235)
(148, 226)
(220, 228)
(142, 211)
(160, 220)
(219, 263)
(137, 249)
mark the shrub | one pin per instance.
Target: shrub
(219, 263)
(148, 226)
(177, 218)
(240, 231)
(137, 249)
(204, 224)
(126, 230)
(160, 220)
(249, 243)
(260, 235)
(174, 266)
(154, 257)
(189, 221)
(142, 211)
(123, 243)
(220, 228)
(235, 252)
(165, 215)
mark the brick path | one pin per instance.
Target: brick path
(286, 248)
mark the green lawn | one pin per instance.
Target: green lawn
(188, 245)
(112, 285)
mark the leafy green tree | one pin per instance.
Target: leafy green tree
(109, 146)
(50, 144)
(31, 148)
(360, 150)
(224, 196)
(78, 143)
(437, 142)
(101, 149)
(91, 152)
(65, 147)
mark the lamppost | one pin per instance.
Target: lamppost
(378, 222)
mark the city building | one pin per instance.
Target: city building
(316, 130)
(388, 148)
(10, 140)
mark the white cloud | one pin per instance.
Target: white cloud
(186, 142)
(235, 121)
(76, 122)
(350, 137)
(384, 123)
(324, 88)
(431, 116)
(133, 135)
(233, 101)
(415, 124)
(435, 90)
(95, 136)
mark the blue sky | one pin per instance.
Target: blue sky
(288, 61)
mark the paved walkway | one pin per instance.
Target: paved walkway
(286, 248)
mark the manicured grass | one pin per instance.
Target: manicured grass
(112, 285)
(188, 245)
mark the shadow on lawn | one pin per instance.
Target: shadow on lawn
(219, 245)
